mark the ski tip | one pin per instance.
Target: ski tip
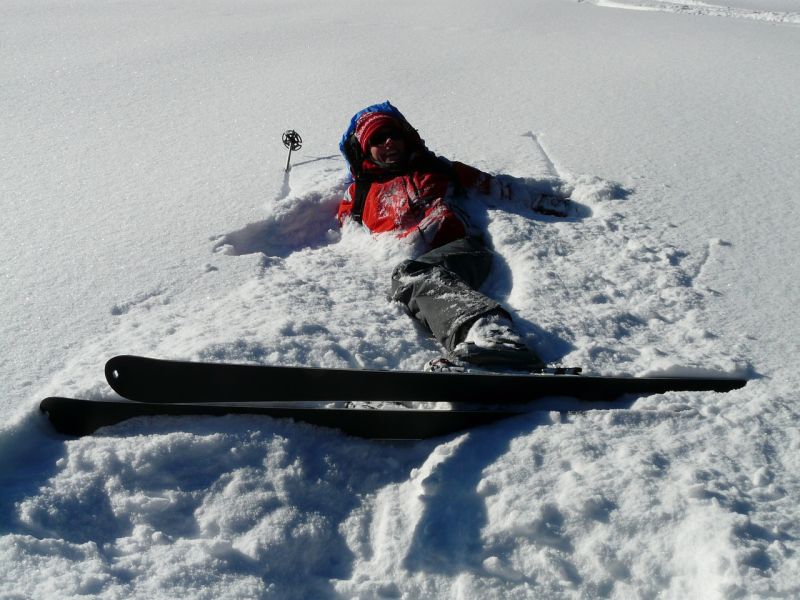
(115, 364)
(112, 369)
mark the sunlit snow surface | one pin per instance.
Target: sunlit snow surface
(146, 210)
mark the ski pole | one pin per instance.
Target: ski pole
(293, 141)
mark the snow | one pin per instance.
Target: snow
(146, 211)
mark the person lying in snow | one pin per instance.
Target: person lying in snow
(402, 187)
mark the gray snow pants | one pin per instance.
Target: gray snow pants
(440, 288)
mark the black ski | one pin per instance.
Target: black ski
(77, 417)
(165, 381)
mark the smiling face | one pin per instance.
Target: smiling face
(387, 146)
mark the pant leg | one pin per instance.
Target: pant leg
(440, 288)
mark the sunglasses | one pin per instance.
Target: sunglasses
(382, 135)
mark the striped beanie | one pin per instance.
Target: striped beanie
(371, 122)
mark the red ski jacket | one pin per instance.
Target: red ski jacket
(416, 200)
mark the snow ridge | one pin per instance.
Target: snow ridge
(695, 7)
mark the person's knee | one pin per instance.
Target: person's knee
(409, 268)
(401, 281)
(400, 270)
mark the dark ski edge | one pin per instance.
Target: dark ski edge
(78, 417)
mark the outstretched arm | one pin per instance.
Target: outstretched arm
(503, 189)
(539, 196)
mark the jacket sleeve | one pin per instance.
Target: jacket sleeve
(472, 178)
